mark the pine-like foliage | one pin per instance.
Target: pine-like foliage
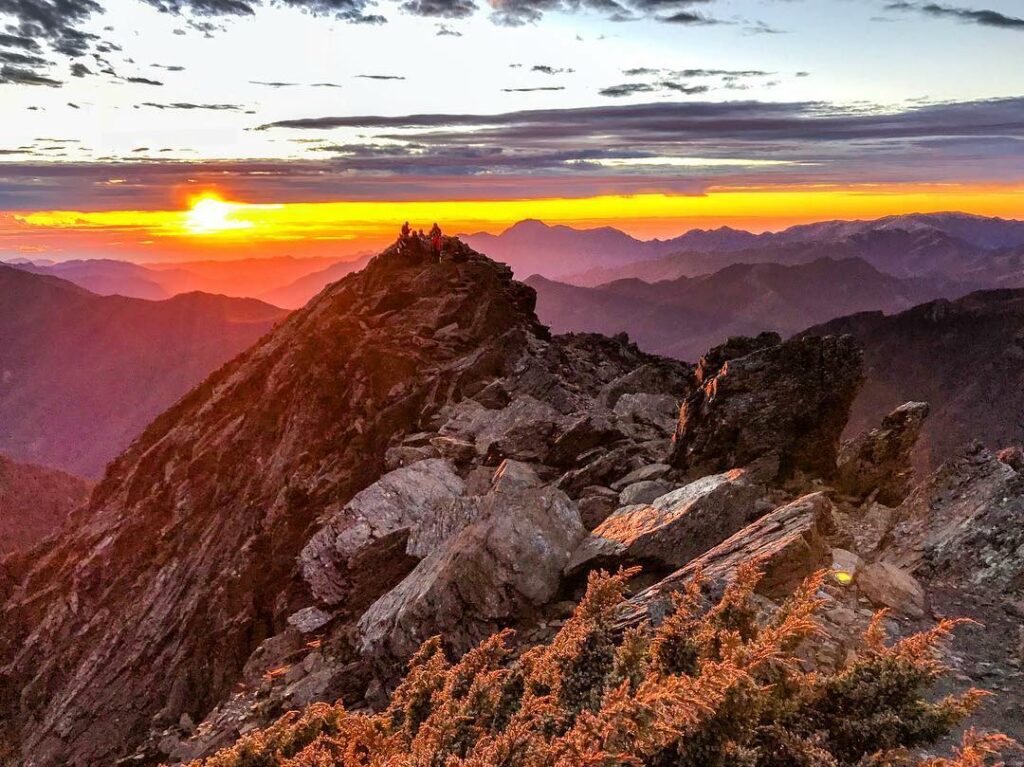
(718, 688)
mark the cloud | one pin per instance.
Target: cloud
(549, 70)
(187, 106)
(279, 84)
(631, 89)
(445, 9)
(809, 141)
(19, 76)
(626, 89)
(141, 81)
(16, 41)
(689, 18)
(985, 18)
(381, 77)
(532, 90)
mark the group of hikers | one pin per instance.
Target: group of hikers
(435, 239)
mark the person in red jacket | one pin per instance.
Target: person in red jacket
(435, 241)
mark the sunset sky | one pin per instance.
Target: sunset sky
(156, 130)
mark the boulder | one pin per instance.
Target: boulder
(649, 378)
(380, 534)
(647, 414)
(790, 544)
(644, 492)
(596, 504)
(509, 560)
(886, 585)
(789, 401)
(525, 429)
(845, 566)
(650, 472)
(585, 433)
(734, 348)
(879, 461)
(676, 527)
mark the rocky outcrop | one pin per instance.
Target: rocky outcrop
(676, 527)
(786, 402)
(963, 524)
(889, 586)
(790, 543)
(878, 462)
(383, 531)
(510, 559)
(34, 502)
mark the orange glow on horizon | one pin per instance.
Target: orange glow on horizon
(213, 220)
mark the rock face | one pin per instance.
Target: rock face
(238, 509)
(34, 502)
(510, 559)
(676, 527)
(786, 402)
(790, 543)
(878, 461)
(963, 524)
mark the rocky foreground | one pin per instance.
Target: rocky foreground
(413, 454)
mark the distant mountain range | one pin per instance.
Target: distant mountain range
(82, 374)
(282, 281)
(964, 357)
(911, 245)
(684, 317)
(34, 501)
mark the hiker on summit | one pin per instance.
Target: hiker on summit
(435, 241)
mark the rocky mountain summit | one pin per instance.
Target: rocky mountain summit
(414, 454)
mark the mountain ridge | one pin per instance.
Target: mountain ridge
(84, 373)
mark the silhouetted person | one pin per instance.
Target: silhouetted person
(435, 241)
(405, 232)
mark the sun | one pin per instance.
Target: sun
(210, 214)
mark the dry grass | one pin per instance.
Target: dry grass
(719, 688)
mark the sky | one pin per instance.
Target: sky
(159, 130)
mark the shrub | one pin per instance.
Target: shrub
(716, 688)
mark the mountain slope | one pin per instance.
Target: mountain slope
(185, 559)
(245, 278)
(81, 374)
(34, 501)
(964, 357)
(107, 277)
(684, 317)
(296, 294)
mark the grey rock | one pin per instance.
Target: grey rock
(309, 619)
(511, 558)
(423, 504)
(790, 543)
(879, 461)
(650, 472)
(677, 526)
(645, 491)
(886, 585)
(789, 400)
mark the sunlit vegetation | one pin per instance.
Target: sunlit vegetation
(725, 687)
